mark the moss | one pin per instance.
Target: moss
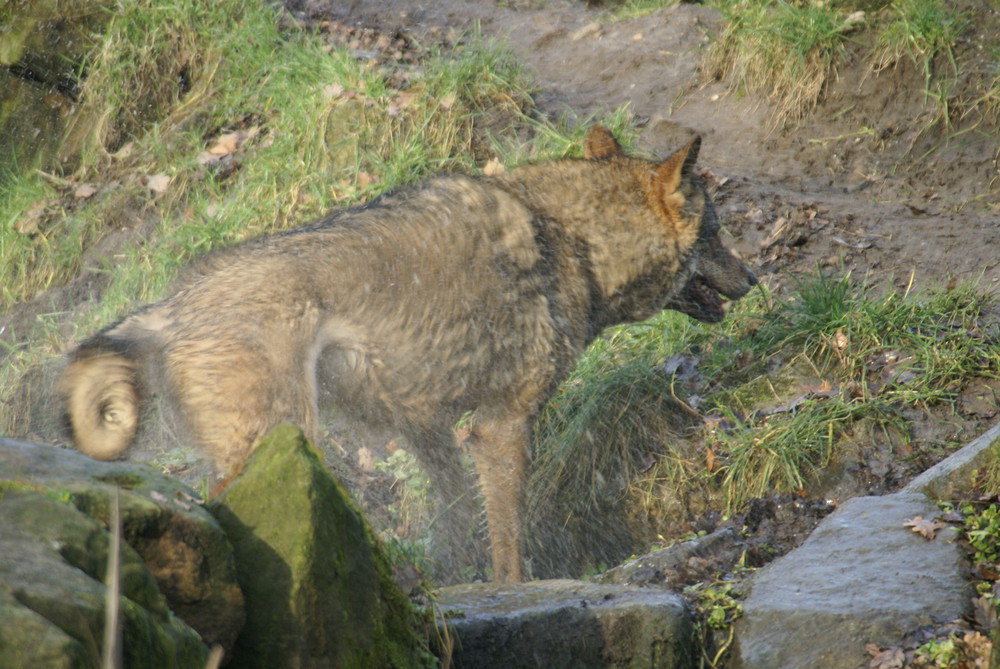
(317, 584)
(55, 558)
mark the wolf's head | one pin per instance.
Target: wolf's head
(714, 272)
(717, 274)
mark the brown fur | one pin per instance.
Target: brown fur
(462, 294)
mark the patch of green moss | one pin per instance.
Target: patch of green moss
(316, 581)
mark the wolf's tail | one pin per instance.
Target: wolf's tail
(100, 391)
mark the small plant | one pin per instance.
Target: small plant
(414, 500)
(716, 607)
(920, 30)
(939, 653)
(982, 530)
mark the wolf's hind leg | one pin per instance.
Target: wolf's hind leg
(456, 526)
(500, 451)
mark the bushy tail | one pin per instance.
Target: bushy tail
(101, 397)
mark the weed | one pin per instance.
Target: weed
(982, 530)
(920, 30)
(716, 606)
(939, 653)
(787, 50)
(415, 503)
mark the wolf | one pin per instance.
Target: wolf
(462, 294)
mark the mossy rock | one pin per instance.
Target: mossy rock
(52, 599)
(317, 584)
(178, 540)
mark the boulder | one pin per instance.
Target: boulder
(318, 587)
(52, 563)
(861, 577)
(179, 542)
(564, 623)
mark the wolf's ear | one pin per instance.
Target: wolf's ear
(600, 143)
(681, 164)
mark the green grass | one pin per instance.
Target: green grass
(791, 51)
(920, 30)
(779, 387)
(788, 51)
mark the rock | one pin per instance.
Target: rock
(861, 577)
(52, 563)
(669, 565)
(563, 623)
(318, 587)
(958, 471)
(180, 543)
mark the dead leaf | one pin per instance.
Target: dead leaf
(124, 152)
(925, 528)
(364, 179)
(825, 389)
(366, 459)
(158, 183)
(983, 612)
(28, 223)
(840, 340)
(756, 217)
(333, 91)
(709, 460)
(399, 103)
(157, 496)
(83, 191)
(859, 246)
(448, 101)
(852, 19)
(227, 143)
(979, 647)
(889, 658)
(190, 498)
(493, 167)
(682, 367)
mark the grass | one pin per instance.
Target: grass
(920, 30)
(779, 389)
(788, 51)
(632, 9)
(792, 51)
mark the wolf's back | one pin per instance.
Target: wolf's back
(101, 397)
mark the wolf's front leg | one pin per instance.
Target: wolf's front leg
(499, 447)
